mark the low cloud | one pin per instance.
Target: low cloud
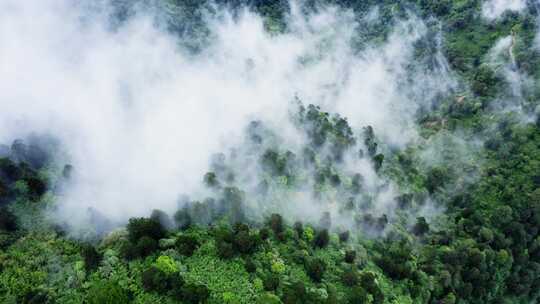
(492, 9)
(140, 116)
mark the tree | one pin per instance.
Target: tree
(350, 256)
(146, 246)
(294, 293)
(358, 295)
(435, 179)
(211, 180)
(270, 281)
(421, 227)
(484, 82)
(183, 218)
(145, 227)
(35, 296)
(91, 257)
(244, 242)
(299, 229)
(276, 223)
(250, 265)
(107, 292)
(225, 250)
(8, 221)
(36, 187)
(163, 218)
(368, 280)
(154, 279)
(233, 202)
(322, 238)
(344, 236)
(350, 277)
(369, 141)
(315, 269)
(378, 161)
(187, 244)
(326, 220)
(268, 298)
(264, 233)
(192, 293)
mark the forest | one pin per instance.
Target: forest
(325, 151)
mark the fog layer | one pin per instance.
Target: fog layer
(139, 116)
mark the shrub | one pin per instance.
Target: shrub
(187, 244)
(145, 227)
(315, 269)
(107, 292)
(91, 257)
(322, 238)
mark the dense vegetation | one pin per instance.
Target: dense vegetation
(484, 247)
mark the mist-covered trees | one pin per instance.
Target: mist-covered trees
(8, 221)
(421, 222)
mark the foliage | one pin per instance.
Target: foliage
(107, 293)
(315, 268)
(144, 227)
(187, 244)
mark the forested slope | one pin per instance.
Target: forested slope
(339, 212)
